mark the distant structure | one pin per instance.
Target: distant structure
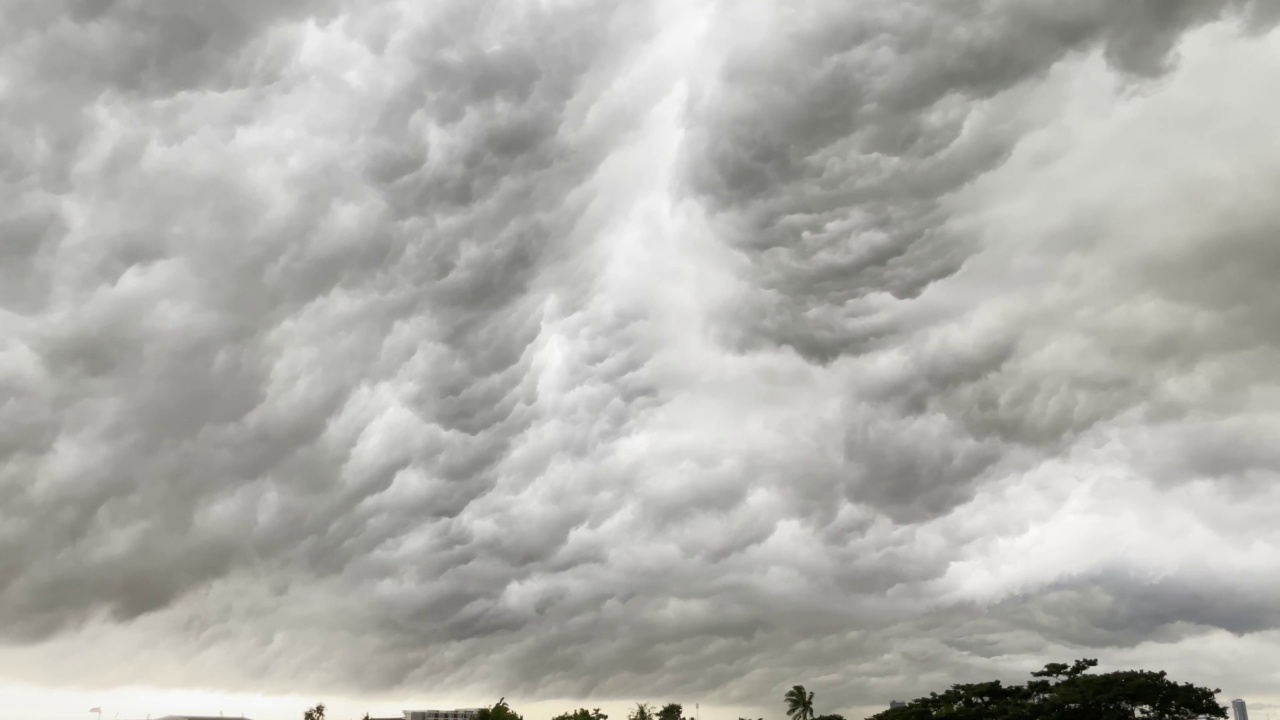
(460, 714)
(896, 703)
(1241, 712)
(199, 718)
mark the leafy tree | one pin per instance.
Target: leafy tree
(671, 711)
(1067, 692)
(582, 714)
(799, 703)
(832, 716)
(642, 712)
(315, 713)
(499, 711)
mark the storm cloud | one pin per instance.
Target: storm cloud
(587, 349)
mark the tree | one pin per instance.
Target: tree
(582, 714)
(499, 711)
(799, 703)
(642, 712)
(1067, 692)
(671, 711)
(315, 713)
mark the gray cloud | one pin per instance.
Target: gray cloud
(585, 349)
(830, 154)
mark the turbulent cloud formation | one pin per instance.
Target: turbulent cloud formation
(591, 349)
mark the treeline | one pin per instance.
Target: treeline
(1068, 692)
(1058, 692)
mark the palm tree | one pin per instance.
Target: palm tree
(799, 703)
(500, 711)
(642, 712)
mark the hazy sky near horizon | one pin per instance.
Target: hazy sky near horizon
(606, 351)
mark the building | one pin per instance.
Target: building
(896, 704)
(1237, 707)
(200, 717)
(459, 714)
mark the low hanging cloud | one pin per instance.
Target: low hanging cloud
(591, 349)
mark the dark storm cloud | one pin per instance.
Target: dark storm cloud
(149, 48)
(212, 326)
(828, 147)
(585, 349)
(1110, 611)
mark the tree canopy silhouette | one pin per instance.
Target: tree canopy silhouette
(799, 703)
(582, 714)
(671, 711)
(1067, 692)
(499, 711)
(642, 712)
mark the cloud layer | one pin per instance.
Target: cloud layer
(595, 349)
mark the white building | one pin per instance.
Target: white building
(200, 717)
(459, 714)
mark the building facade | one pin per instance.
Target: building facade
(1238, 708)
(459, 714)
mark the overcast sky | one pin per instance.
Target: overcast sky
(591, 351)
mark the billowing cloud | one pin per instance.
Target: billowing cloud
(609, 350)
